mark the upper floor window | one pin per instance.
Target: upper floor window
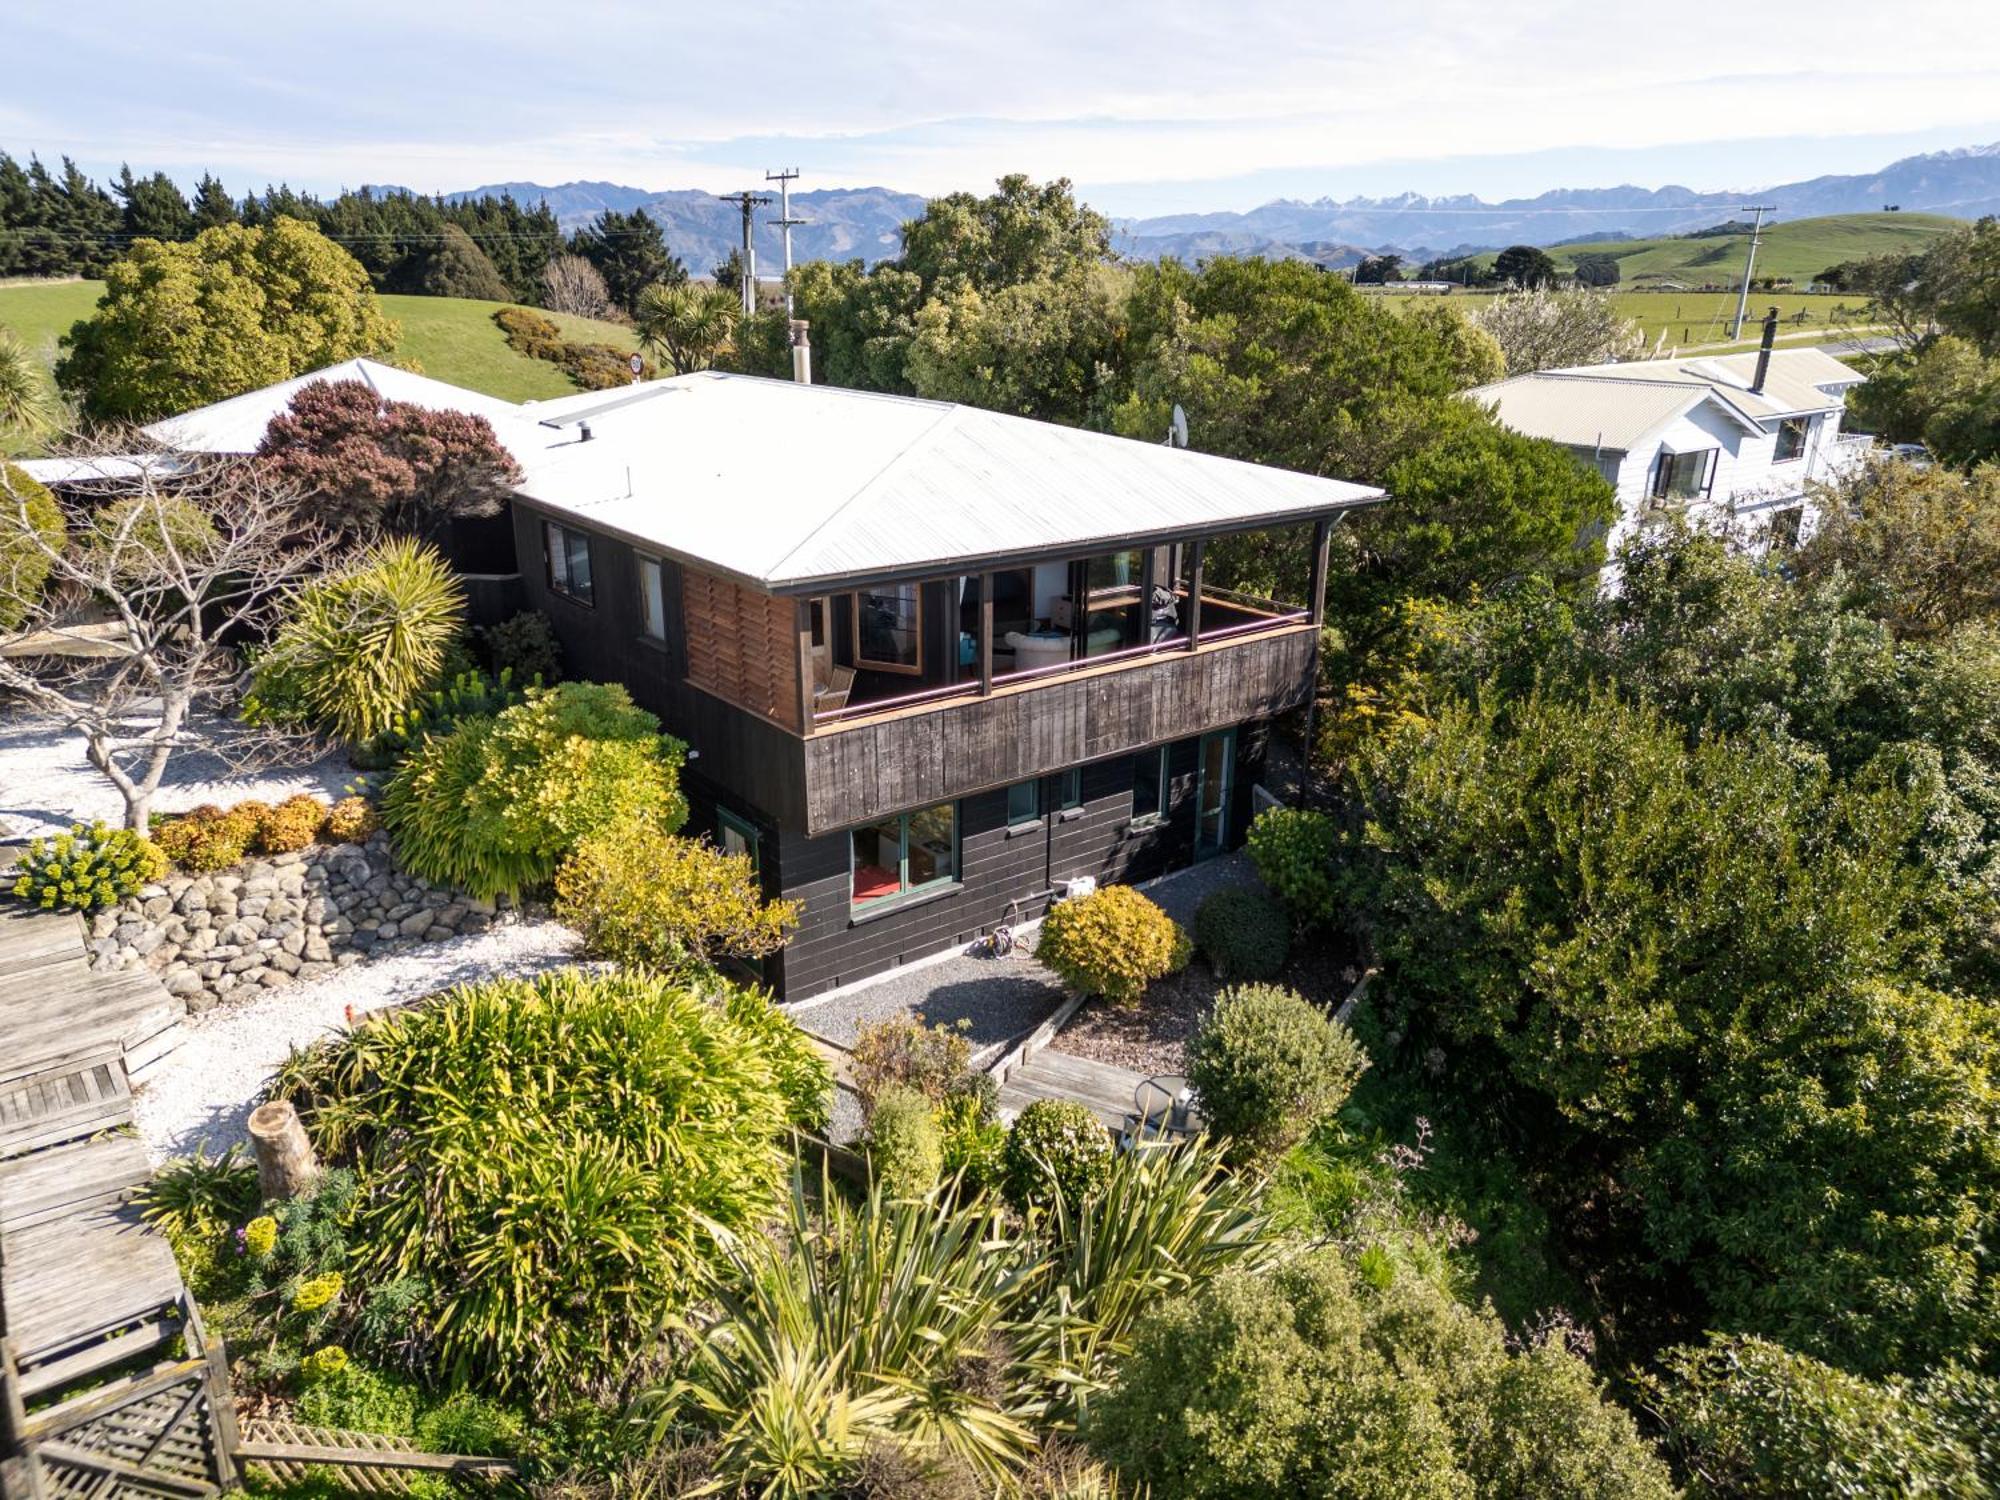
(1791, 439)
(569, 562)
(889, 628)
(652, 598)
(1684, 476)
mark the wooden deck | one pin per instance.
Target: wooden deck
(91, 1405)
(1109, 1091)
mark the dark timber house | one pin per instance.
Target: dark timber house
(933, 663)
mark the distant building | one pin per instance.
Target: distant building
(1731, 441)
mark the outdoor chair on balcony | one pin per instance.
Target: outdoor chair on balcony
(830, 697)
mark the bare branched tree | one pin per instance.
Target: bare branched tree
(132, 640)
(571, 284)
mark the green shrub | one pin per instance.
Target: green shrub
(524, 645)
(495, 805)
(1310, 1382)
(905, 1154)
(1293, 849)
(569, 1155)
(1267, 1065)
(277, 696)
(1243, 934)
(361, 1399)
(468, 1423)
(154, 536)
(804, 1077)
(207, 838)
(351, 820)
(936, 1061)
(30, 520)
(973, 1140)
(363, 644)
(468, 694)
(1113, 942)
(1746, 1416)
(646, 897)
(1057, 1149)
(292, 825)
(87, 868)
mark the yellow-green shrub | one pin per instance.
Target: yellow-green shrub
(24, 565)
(1293, 850)
(1113, 942)
(86, 868)
(905, 1153)
(207, 838)
(645, 896)
(351, 819)
(292, 825)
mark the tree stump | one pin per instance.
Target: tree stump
(286, 1165)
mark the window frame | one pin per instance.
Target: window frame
(1022, 823)
(656, 569)
(555, 540)
(1069, 790)
(1163, 784)
(1663, 468)
(869, 664)
(732, 822)
(861, 907)
(1801, 425)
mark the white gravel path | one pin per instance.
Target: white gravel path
(46, 784)
(202, 1092)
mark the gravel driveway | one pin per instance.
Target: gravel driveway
(202, 1092)
(46, 784)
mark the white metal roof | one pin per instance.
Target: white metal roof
(237, 425)
(1621, 406)
(789, 485)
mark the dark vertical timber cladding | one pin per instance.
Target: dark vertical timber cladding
(750, 762)
(1001, 874)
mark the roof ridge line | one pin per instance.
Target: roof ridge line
(945, 419)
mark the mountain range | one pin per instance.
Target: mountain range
(866, 223)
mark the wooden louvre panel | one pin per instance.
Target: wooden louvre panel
(742, 646)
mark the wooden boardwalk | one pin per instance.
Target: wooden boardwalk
(1109, 1091)
(96, 1401)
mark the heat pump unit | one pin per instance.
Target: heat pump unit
(1081, 885)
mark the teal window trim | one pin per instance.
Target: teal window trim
(1069, 795)
(905, 891)
(1162, 789)
(747, 831)
(1024, 805)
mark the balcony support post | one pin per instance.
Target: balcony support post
(803, 620)
(1322, 540)
(1195, 565)
(985, 634)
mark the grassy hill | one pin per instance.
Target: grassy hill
(449, 337)
(1798, 249)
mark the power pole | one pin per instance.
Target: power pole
(749, 203)
(785, 221)
(1749, 264)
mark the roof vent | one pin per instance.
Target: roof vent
(583, 432)
(1764, 350)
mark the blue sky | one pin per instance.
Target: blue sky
(1150, 108)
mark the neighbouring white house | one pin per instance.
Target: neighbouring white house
(1731, 441)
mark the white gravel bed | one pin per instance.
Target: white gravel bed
(202, 1091)
(46, 783)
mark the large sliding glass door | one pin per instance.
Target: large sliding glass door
(1212, 795)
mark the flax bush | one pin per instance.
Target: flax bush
(565, 1158)
(1113, 942)
(363, 645)
(87, 868)
(647, 897)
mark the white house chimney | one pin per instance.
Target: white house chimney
(802, 353)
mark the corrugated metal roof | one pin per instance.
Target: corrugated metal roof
(788, 485)
(1634, 399)
(237, 425)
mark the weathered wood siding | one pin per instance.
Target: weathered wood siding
(854, 774)
(742, 645)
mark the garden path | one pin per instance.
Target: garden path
(202, 1092)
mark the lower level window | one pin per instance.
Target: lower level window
(905, 853)
(1149, 785)
(1683, 476)
(1024, 803)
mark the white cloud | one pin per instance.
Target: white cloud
(930, 97)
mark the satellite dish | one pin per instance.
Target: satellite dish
(1177, 428)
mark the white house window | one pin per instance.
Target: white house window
(1791, 439)
(653, 598)
(889, 628)
(1683, 476)
(1784, 532)
(569, 562)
